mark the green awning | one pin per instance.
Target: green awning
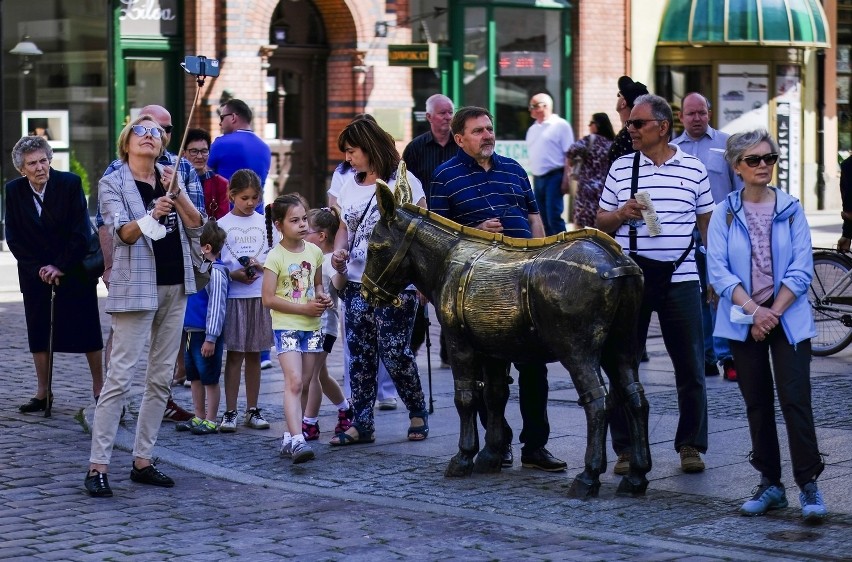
(783, 23)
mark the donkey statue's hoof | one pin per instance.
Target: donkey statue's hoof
(487, 462)
(584, 487)
(632, 486)
(459, 467)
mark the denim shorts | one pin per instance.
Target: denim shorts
(198, 367)
(298, 340)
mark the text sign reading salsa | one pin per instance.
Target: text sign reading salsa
(524, 63)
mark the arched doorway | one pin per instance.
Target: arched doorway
(297, 99)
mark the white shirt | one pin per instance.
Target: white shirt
(353, 199)
(246, 237)
(547, 144)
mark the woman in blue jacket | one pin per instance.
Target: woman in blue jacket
(760, 264)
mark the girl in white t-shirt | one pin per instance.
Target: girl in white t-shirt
(374, 333)
(248, 326)
(293, 290)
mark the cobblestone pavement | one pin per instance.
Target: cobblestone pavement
(235, 498)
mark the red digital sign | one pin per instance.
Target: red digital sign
(524, 63)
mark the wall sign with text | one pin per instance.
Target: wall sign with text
(149, 18)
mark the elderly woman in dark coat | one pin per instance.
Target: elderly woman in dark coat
(48, 230)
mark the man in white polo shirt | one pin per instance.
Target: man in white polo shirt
(680, 193)
(548, 141)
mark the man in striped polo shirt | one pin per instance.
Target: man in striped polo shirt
(680, 191)
(481, 189)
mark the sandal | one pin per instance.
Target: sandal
(420, 432)
(343, 438)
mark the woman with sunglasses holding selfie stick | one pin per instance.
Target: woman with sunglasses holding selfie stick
(151, 278)
(759, 262)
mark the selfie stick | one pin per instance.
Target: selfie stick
(199, 79)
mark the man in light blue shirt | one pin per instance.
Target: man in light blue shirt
(707, 144)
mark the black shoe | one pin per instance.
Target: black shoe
(507, 458)
(711, 370)
(150, 475)
(542, 460)
(644, 358)
(35, 405)
(97, 485)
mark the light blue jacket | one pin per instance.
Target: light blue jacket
(729, 263)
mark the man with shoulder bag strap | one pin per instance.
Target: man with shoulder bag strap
(676, 186)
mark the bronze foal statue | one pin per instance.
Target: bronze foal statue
(572, 298)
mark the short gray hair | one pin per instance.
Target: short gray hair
(740, 142)
(660, 108)
(27, 145)
(435, 98)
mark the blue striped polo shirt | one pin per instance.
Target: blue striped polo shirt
(464, 192)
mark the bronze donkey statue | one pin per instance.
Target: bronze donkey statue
(573, 297)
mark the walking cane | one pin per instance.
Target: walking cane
(50, 354)
(429, 356)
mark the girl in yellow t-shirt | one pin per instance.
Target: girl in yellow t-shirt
(293, 290)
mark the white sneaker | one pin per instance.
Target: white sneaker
(387, 404)
(286, 449)
(266, 364)
(255, 420)
(229, 422)
(301, 452)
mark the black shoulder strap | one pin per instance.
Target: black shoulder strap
(634, 185)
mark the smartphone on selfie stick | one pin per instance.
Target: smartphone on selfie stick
(201, 67)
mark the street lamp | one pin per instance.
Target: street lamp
(26, 49)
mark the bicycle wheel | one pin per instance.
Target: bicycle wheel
(834, 328)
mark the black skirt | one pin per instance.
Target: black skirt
(77, 322)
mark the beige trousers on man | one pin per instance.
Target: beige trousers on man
(131, 331)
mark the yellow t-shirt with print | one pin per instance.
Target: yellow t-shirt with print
(295, 272)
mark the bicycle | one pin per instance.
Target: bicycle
(830, 296)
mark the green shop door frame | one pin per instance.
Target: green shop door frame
(154, 52)
(455, 68)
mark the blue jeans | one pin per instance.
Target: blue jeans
(679, 312)
(548, 195)
(198, 367)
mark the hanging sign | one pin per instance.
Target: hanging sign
(416, 55)
(148, 18)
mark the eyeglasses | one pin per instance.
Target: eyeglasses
(753, 161)
(142, 130)
(638, 123)
(536, 105)
(198, 152)
(222, 116)
(167, 128)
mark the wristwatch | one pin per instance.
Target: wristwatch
(174, 194)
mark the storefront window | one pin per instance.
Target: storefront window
(673, 82)
(476, 57)
(62, 92)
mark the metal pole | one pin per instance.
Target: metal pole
(429, 357)
(820, 144)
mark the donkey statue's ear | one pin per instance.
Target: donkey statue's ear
(402, 189)
(386, 201)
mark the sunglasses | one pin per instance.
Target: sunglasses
(198, 152)
(168, 129)
(638, 123)
(753, 161)
(536, 105)
(142, 130)
(222, 116)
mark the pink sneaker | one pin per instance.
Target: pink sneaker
(344, 420)
(311, 431)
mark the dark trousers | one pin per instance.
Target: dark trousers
(532, 395)
(792, 379)
(548, 195)
(679, 311)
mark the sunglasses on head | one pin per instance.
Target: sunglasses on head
(638, 123)
(142, 130)
(753, 161)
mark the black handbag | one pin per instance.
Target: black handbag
(657, 274)
(93, 259)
